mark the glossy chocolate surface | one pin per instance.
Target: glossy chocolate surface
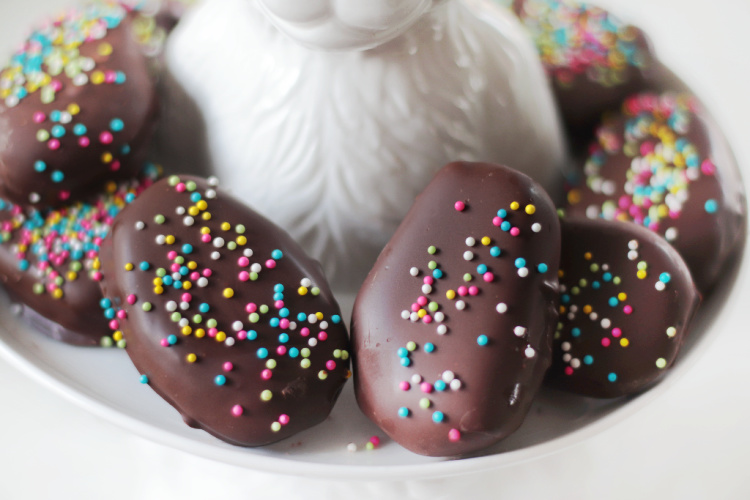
(452, 328)
(626, 301)
(224, 314)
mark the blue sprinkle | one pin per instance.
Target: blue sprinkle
(195, 197)
(79, 129)
(542, 268)
(665, 277)
(495, 251)
(440, 386)
(429, 347)
(177, 284)
(129, 198)
(144, 266)
(612, 377)
(437, 274)
(405, 361)
(23, 265)
(613, 301)
(711, 206)
(40, 166)
(105, 303)
(336, 319)
(262, 353)
(184, 271)
(284, 312)
(172, 339)
(125, 149)
(252, 335)
(109, 313)
(596, 285)
(482, 340)
(167, 280)
(403, 412)
(55, 116)
(220, 380)
(588, 359)
(120, 78)
(278, 288)
(283, 338)
(116, 125)
(438, 417)
(278, 296)
(402, 352)
(187, 248)
(502, 213)
(481, 268)
(274, 322)
(607, 276)
(277, 254)
(301, 316)
(204, 308)
(505, 226)
(57, 131)
(565, 299)
(293, 352)
(520, 262)
(144, 379)
(57, 176)
(576, 332)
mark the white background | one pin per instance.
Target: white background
(692, 442)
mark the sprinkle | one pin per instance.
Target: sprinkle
(460, 206)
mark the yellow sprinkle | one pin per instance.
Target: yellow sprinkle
(72, 275)
(117, 335)
(266, 395)
(587, 256)
(187, 285)
(221, 337)
(348, 374)
(202, 205)
(169, 240)
(158, 290)
(319, 315)
(192, 265)
(225, 226)
(205, 230)
(111, 187)
(96, 264)
(104, 49)
(200, 333)
(58, 293)
(129, 266)
(241, 240)
(193, 211)
(107, 157)
(322, 374)
(191, 358)
(158, 282)
(624, 342)
(228, 293)
(486, 240)
(421, 313)
(641, 274)
(206, 216)
(622, 296)
(97, 77)
(562, 309)
(302, 290)
(74, 109)
(450, 294)
(574, 196)
(530, 209)
(661, 363)
(560, 273)
(186, 330)
(587, 309)
(514, 205)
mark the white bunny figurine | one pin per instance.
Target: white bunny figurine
(330, 116)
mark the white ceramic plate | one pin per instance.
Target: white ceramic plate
(105, 383)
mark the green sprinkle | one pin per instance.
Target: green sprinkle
(159, 219)
(146, 306)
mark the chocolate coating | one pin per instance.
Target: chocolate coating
(663, 163)
(593, 59)
(452, 335)
(626, 301)
(76, 114)
(225, 315)
(49, 261)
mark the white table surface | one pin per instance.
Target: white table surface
(692, 442)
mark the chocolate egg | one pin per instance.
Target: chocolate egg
(223, 313)
(452, 328)
(663, 164)
(626, 301)
(49, 261)
(77, 104)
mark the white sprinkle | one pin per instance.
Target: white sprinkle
(571, 316)
(660, 286)
(188, 221)
(671, 234)
(414, 271)
(351, 447)
(633, 244)
(439, 317)
(426, 289)
(176, 276)
(160, 239)
(455, 384)
(183, 322)
(87, 64)
(180, 210)
(529, 352)
(34, 197)
(447, 376)
(416, 379)
(567, 357)
(502, 308)
(470, 242)
(405, 314)
(213, 181)
(312, 342)
(575, 363)
(460, 305)
(442, 330)
(65, 117)
(519, 331)
(312, 319)
(605, 267)
(80, 79)
(248, 252)
(414, 317)
(536, 227)
(292, 325)
(593, 316)
(256, 268)
(523, 272)
(215, 255)
(323, 325)
(592, 212)
(218, 242)
(237, 326)
(184, 305)
(202, 282)
(171, 306)
(468, 255)
(306, 282)
(565, 346)
(229, 342)
(140, 225)
(606, 323)
(210, 194)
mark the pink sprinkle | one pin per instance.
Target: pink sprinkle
(270, 263)
(212, 332)
(454, 435)
(243, 261)
(473, 290)
(624, 202)
(304, 332)
(266, 374)
(251, 307)
(106, 137)
(115, 166)
(164, 342)
(414, 307)
(514, 231)
(121, 314)
(606, 342)
(426, 387)
(171, 256)
(195, 275)
(110, 76)
(97, 276)
(186, 297)
(497, 221)
(206, 238)
(427, 319)
(568, 370)
(284, 323)
(422, 301)
(404, 385)
(228, 366)
(616, 332)
(428, 280)
(243, 276)
(39, 117)
(180, 187)
(281, 350)
(131, 299)
(53, 144)
(237, 410)
(175, 267)
(375, 440)
(459, 206)
(63, 195)
(278, 304)
(322, 336)
(207, 273)
(646, 148)
(627, 309)
(283, 419)
(242, 335)
(56, 85)
(488, 277)
(462, 291)
(330, 364)
(708, 168)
